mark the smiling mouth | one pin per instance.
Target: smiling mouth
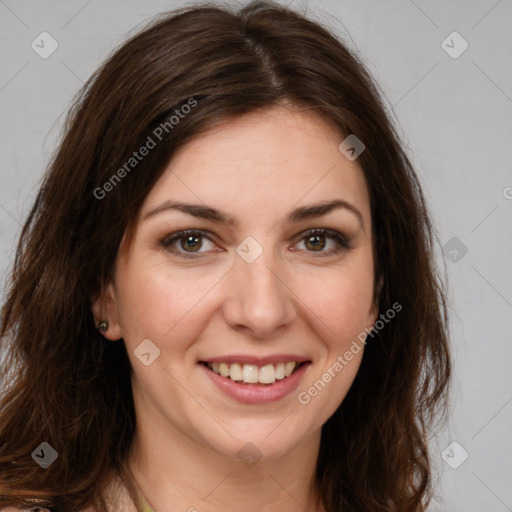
(254, 374)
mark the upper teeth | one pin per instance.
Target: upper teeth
(252, 374)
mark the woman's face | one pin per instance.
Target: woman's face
(251, 288)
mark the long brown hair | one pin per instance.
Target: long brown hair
(65, 385)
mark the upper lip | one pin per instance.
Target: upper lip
(258, 361)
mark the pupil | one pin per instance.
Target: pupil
(192, 242)
(316, 242)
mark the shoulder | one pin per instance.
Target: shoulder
(31, 509)
(35, 509)
(115, 494)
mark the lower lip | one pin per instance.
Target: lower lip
(257, 393)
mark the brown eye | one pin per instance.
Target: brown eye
(192, 242)
(316, 240)
(187, 243)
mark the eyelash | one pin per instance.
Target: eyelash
(341, 240)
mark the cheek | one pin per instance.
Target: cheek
(343, 302)
(340, 315)
(155, 303)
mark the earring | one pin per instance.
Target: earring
(103, 327)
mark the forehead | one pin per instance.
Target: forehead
(262, 164)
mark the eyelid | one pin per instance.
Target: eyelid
(167, 241)
(342, 241)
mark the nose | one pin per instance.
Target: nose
(259, 300)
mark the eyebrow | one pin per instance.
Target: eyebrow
(297, 215)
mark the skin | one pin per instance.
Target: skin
(291, 299)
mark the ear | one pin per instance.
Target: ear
(104, 308)
(373, 315)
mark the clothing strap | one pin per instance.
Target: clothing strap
(146, 507)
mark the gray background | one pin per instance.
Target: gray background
(454, 115)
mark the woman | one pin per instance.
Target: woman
(224, 296)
